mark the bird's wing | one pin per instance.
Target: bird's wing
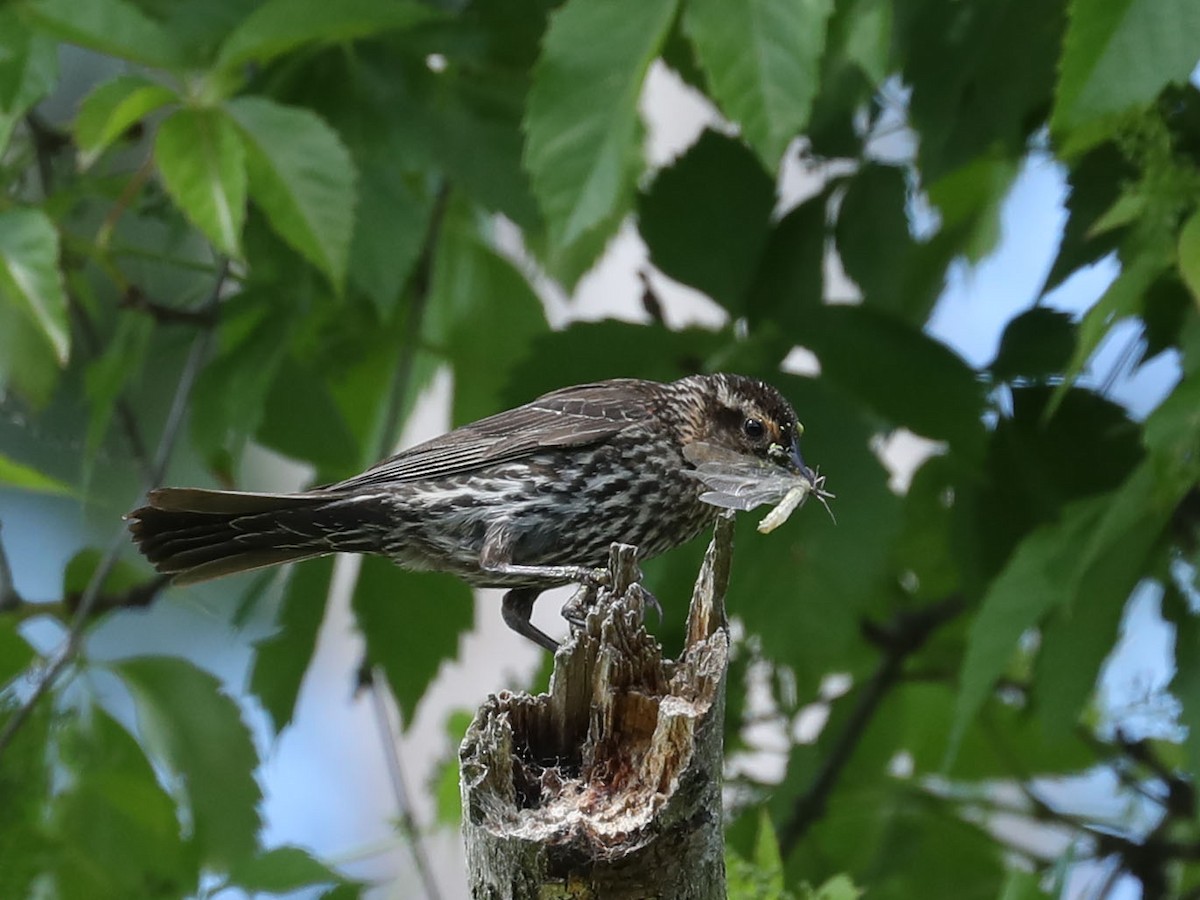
(570, 417)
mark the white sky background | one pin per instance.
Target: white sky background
(325, 779)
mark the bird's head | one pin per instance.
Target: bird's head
(751, 419)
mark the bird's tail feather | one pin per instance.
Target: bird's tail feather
(196, 535)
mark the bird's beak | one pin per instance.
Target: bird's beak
(796, 464)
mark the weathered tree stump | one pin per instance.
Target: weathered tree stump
(609, 786)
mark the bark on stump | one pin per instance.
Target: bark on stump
(609, 786)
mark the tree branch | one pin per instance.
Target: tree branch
(903, 636)
(92, 594)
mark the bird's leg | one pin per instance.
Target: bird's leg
(551, 574)
(517, 607)
(496, 559)
(652, 602)
(577, 607)
(628, 576)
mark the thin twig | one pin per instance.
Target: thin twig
(1180, 801)
(904, 635)
(87, 603)
(401, 382)
(187, 380)
(405, 819)
(124, 201)
(422, 283)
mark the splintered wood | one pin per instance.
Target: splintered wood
(609, 785)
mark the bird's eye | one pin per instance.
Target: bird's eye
(753, 429)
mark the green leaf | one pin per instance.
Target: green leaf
(476, 295)
(281, 660)
(412, 623)
(873, 238)
(444, 784)
(762, 877)
(1037, 578)
(29, 70)
(1189, 255)
(107, 376)
(18, 475)
(379, 103)
(1118, 303)
(766, 851)
(762, 61)
(862, 31)
(1032, 469)
(892, 367)
(1119, 555)
(957, 53)
(113, 27)
(196, 731)
(583, 353)
(790, 280)
(1002, 742)
(28, 362)
(287, 426)
(15, 652)
(302, 177)
(478, 137)
(582, 121)
(1035, 344)
(1095, 181)
(119, 830)
(1094, 555)
(280, 871)
(25, 783)
(969, 200)
(901, 842)
(1121, 53)
(29, 276)
(839, 887)
(706, 219)
(280, 26)
(203, 167)
(1172, 432)
(111, 109)
(230, 395)
(389, 232)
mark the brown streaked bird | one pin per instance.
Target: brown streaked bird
(526, 499)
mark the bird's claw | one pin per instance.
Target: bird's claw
(575, 610)
(651, 602)
(596, 578)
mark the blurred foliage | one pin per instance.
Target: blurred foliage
(394, 184)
